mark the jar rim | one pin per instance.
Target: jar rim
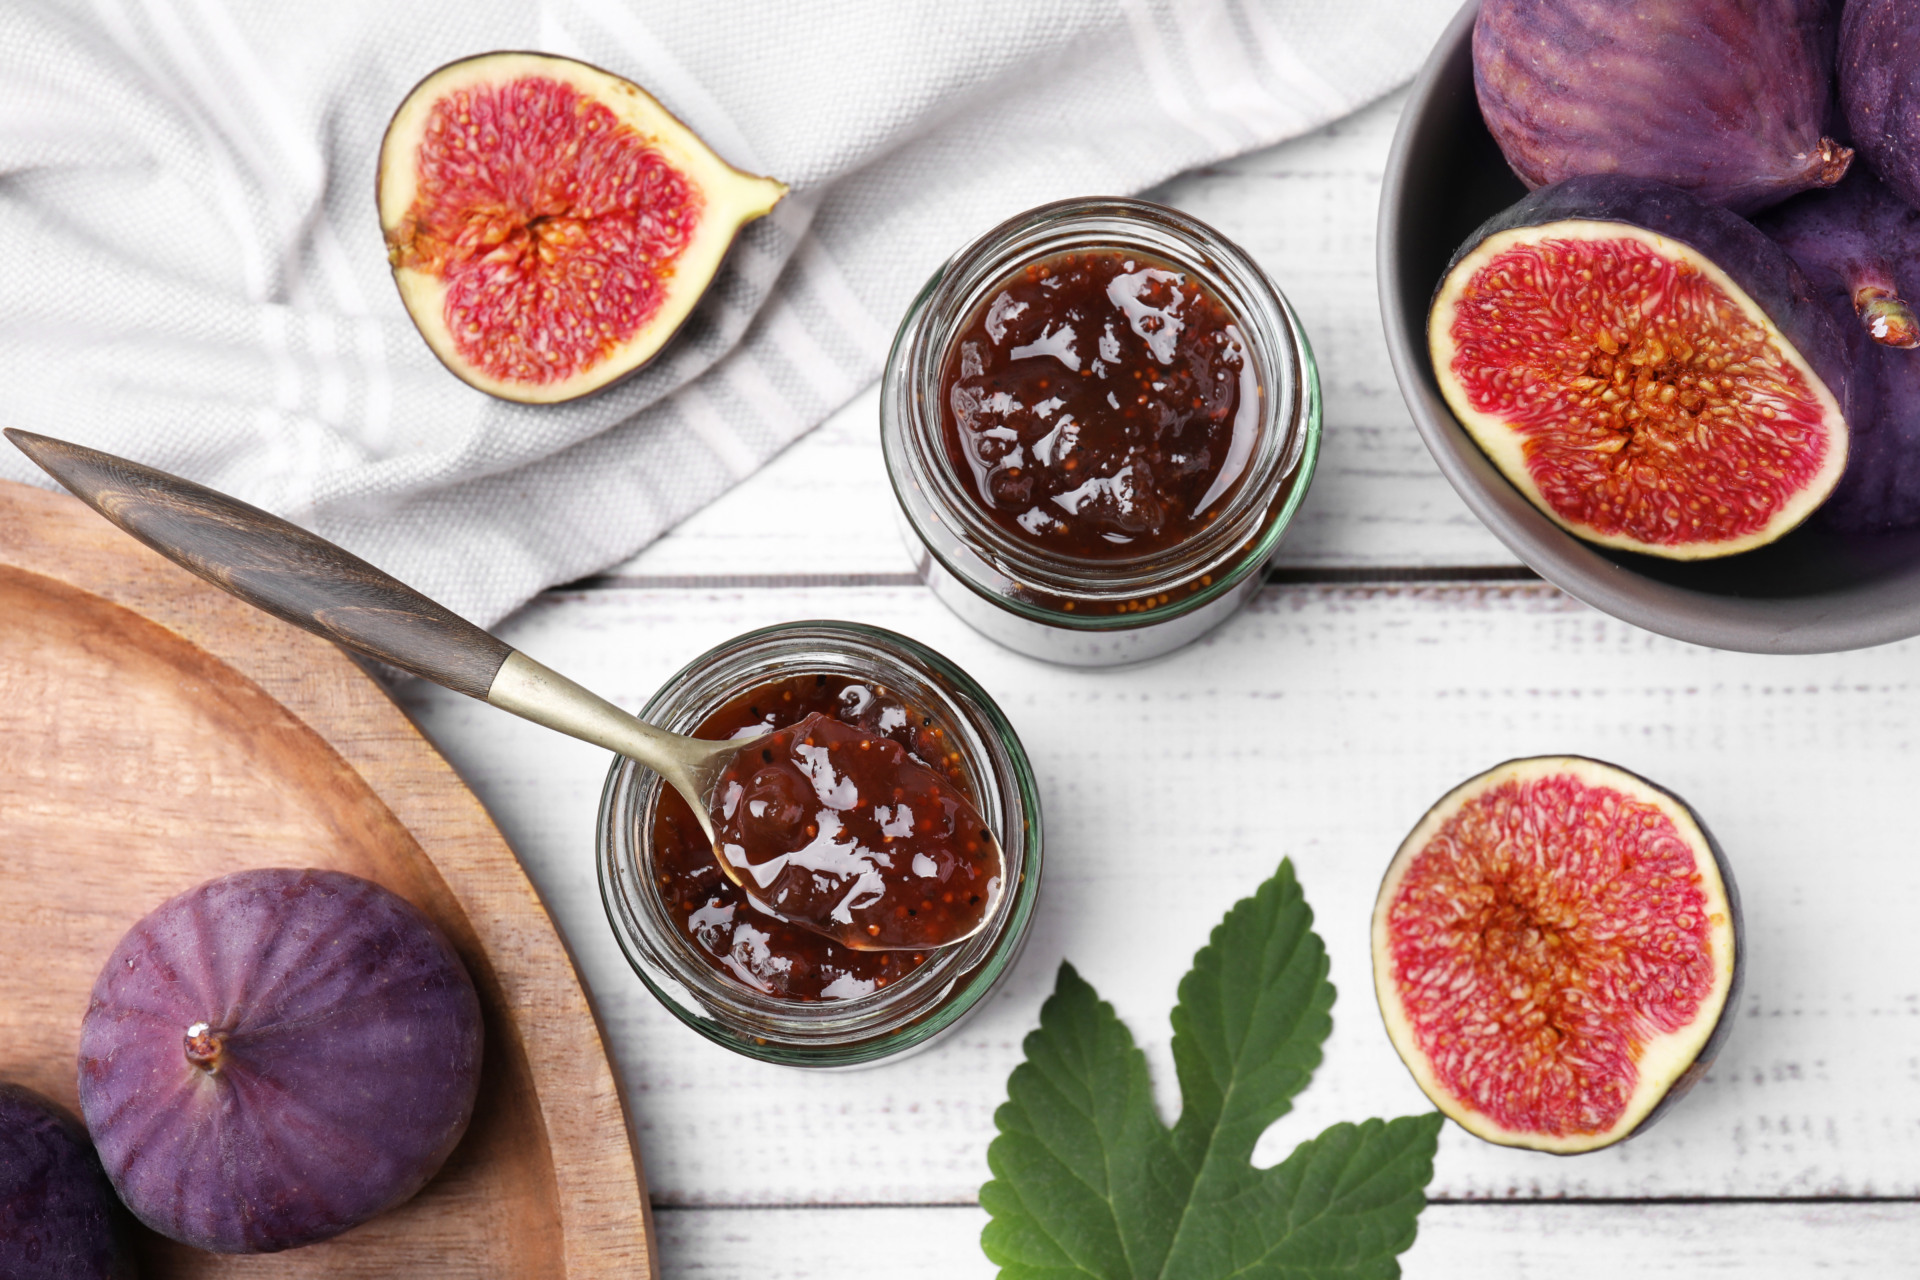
(1223, 553)
(909, 1012)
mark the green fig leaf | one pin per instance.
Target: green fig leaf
(1087, 1182)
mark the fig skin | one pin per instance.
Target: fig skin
(1857, 242)
(59, 1218)
(1723, 98)
(276, 1056)
(1860, 236)
(1683, 1081)
(1879, 75)
(1752, 261)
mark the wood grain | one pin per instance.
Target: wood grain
(1456, 1242)
(155, 733)
(1305, 211)
(1318, 725)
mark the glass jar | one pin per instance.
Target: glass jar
(905, 1015)
(1065, 609)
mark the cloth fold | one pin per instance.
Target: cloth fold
(196, 276)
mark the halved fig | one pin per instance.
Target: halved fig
(1557, 953)
(550, 225)
(1652, 372)
(1723, 98)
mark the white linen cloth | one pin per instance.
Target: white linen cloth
(192, 272)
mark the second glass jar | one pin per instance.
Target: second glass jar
(1112, 610)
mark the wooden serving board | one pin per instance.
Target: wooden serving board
(154, 733)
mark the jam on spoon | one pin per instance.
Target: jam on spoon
(827, 826)
(851, 780)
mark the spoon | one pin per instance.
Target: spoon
(920, 870)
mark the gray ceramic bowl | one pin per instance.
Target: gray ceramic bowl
(1814, 591)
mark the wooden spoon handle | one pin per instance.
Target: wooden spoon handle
(276, 566)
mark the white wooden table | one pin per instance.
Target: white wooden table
(1398, 651)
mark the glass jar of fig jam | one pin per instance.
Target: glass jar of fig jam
(750, 981)
(1099, 419)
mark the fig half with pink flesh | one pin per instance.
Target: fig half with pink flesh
(550, 226)
(1557, 953)
(276, 1056)
(1651, 372)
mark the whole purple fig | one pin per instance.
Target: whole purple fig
(59, 1219)
(1859, 247)
(1852, 242)
(1725, 99)
(1880, 88)
(276, 1056)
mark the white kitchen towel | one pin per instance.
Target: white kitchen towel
(192, 273)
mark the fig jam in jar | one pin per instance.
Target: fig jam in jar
(1099, 420)
(1101, 405)
(764, 952)
(749, 980)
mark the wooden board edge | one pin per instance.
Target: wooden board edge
(607, 1221)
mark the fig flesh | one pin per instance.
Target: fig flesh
(549, 225)
(275, 1056)
(59, 1219)
(1879, 76)
(1651, 372)
(1722, 98)
(1557, 953)
(1860, 248)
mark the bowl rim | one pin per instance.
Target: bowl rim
(1823, 623)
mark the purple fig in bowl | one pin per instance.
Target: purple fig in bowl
(1725, 99)
(59, 1219)
(276, 1056)
(1853, 243)
(1879, 73)
(1859, 247)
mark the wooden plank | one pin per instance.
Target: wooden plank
(1467, 1242)
(154, 733)
(1305, 211)
(1318, 725)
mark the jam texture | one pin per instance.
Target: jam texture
(1101, 404)
(816, 774)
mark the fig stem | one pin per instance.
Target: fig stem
(1889, 320)
(205, 1047)
(1831, 161)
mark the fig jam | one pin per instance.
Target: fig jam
(759, 950)
(1101, 404)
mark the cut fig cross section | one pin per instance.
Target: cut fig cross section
(1556, 950)
(550, 226)
(1651, 372)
